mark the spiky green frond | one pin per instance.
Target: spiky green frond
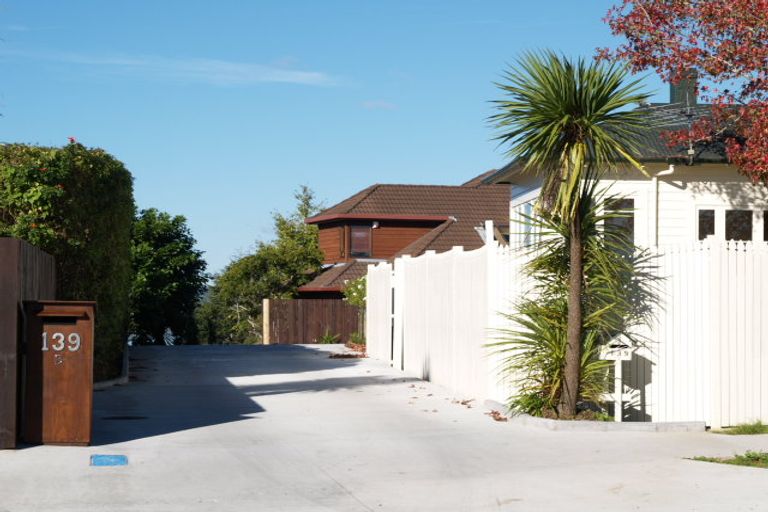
(569, 120)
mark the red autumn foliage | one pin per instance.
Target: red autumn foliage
(726, 42)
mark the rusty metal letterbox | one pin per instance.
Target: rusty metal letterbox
(58, 391)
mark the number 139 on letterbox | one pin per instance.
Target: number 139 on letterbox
(58, 392)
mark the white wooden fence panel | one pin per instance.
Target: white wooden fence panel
(710, 336)
(379, 312)
(706, 357)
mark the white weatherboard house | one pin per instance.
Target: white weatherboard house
(686, 197)
(707, 355)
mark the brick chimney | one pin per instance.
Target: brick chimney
(684, 91)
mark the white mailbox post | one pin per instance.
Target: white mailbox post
(617, 352)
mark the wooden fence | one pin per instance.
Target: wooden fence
(26, 273)
(706, 358)
(307, 320)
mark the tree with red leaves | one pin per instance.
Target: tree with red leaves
(726, 43)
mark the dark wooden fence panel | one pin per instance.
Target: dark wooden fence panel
(293, 321)
(26, 273)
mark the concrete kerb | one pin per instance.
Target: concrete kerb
(122, 380)
(526, 420)
(104, 384)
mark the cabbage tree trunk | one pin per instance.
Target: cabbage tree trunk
(571, 372)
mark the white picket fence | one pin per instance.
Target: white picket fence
(707, 359)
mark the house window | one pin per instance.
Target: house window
(360, 241)
(523, 231)
(735, 224)
(706, 223)
(528, 229)
(738, 225)
(621, 217)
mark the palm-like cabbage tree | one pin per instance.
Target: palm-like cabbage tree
(569, 122)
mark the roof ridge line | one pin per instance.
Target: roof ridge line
(364, 196)
(432, 186)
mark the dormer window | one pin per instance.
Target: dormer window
(360, 241)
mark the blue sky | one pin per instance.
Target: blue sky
(222, 109)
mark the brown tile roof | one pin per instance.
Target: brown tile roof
(430, 241)
(335, 278)
(460, 208)
(487, 201)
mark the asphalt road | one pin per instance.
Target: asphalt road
(287, 428)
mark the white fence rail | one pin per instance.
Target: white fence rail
(707, 358)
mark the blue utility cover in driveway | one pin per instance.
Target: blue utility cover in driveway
(109, 460)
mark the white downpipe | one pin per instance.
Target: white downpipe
(655, 203)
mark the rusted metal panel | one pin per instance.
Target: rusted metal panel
(59, 392)
(26, 273)
(9, 320)
(291, 321)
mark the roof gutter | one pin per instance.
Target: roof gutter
(373, 216)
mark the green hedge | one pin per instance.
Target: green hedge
(77, 204)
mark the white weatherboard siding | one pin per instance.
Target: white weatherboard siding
(703, 187)
(707, 353)
(679, 197)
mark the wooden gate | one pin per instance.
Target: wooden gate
(307, 320)
(26, 273)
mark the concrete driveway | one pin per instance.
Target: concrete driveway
(288, 428)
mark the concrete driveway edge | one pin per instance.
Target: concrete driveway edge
(526, 420)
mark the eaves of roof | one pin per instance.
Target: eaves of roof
(372, 216)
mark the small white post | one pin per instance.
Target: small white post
(617, 352)
(488, 232)
(265, 319)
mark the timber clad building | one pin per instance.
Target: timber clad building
(382, 222)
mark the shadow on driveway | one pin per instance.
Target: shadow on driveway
(179, 388)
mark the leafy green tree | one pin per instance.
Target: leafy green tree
(569, 122)
(169, 277)
(76, 203)
(233, 311)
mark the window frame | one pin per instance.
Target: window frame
(758, 220)
(352, 228)
(632, 217)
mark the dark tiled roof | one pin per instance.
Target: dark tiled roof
(479, 179)
(662, 118)
(336, 277)
(671, 117)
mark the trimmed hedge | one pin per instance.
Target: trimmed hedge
(76, 203)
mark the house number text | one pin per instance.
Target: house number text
(58, 342)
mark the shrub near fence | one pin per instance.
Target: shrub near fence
(76, 204)
(706, 358)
